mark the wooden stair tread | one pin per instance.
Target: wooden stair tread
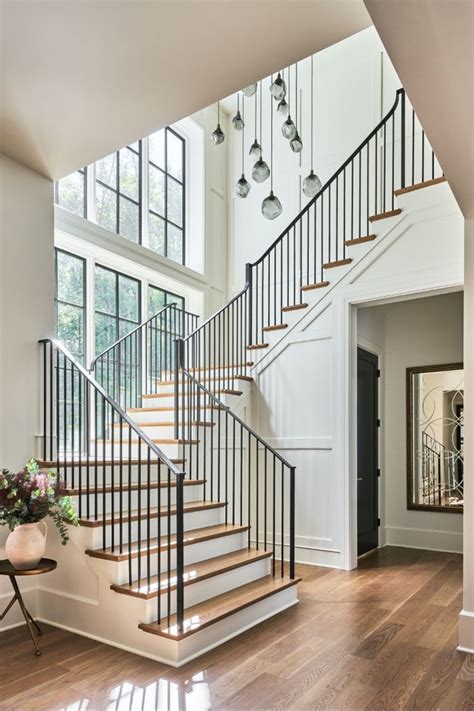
(420, 186)
(212, 368)
(170, 440)
(160, 423)
(144, 486)
(44, 463)
(294, 307)
(255, 346)
(217, 378)
(337, 263)
(193, 573)
(276, 327)
(384, 215)
(167, 408)
(359, 240)
(139, 548)
(318, 285)
(138, 514)
(218, 608)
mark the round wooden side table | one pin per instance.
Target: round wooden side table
(46, 565)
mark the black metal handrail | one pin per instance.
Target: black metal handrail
(254, 480)
(135, 363)
(122, 479)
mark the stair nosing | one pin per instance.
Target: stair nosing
(259, 555)
(153, 514)
(153, 628)
(121, 557)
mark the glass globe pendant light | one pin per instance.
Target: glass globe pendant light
(282, 107)
(278, 88)
(237, 121)
(312, 184)
(250, 90)
(260, 170)
(296, 144)
(271, 206)
(255, 151)
(242, 187)
(289, 129)
(218, 136)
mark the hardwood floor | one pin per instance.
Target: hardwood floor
(380, 638)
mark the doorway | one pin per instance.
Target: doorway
(367, 451)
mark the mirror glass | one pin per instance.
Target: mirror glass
(435, 399)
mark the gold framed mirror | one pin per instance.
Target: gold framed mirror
(435, 438)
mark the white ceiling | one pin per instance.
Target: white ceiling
(81, 78)
(431, 44)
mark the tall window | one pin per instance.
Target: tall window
(166, 194)
(137, 192)
(118, 192)
(71, 192)
(159, 298)
(71, 302)
(117, 306)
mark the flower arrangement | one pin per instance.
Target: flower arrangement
(32, 494)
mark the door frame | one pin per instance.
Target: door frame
(346, 307)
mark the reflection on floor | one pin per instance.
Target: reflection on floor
(380, 637)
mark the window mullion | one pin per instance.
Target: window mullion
(144, 207)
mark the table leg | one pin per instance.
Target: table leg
(10, 604)
(26, 615)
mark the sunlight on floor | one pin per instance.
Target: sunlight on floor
(161, 695)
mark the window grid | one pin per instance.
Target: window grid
(168, 298)
(80, 352)
(172, 247)
(167, 178)
(116, 317)
(121, 195)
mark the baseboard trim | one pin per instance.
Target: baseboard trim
(424, 539)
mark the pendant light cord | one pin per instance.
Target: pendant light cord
(261, 137)
(243, 131)
(312, 111)
(289, 91)
(256, 93)
(218, 113)
(271, 139)
(296, 96)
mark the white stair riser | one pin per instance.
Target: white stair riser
(112, 500)
(168, 401)
(204, 374)
(196, 519)
(118, 572)
(225, 382)
(203, 590)
(171, 450)
(157, 432)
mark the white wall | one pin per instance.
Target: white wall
(305, 400)
(411, 333)
(26, 315)
(355, 85)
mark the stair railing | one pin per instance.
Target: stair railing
(395, 155)
(256, 483)
(134, 364)
(125, 485)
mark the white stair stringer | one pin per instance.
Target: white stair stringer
(84, 602)
(430, 203)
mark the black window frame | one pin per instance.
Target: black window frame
(168, 176)
(57, 194)
(121, 195)
(182, 300)
(58, 301)
(118, 319)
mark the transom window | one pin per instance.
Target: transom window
(118, 189)
(166, 194)
(117, 306)
(137, 192)
(71, 192)
(70, 302)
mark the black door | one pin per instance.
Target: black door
(367, 451)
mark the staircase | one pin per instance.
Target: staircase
(187, 516)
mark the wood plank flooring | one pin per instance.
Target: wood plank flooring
(379, 638)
